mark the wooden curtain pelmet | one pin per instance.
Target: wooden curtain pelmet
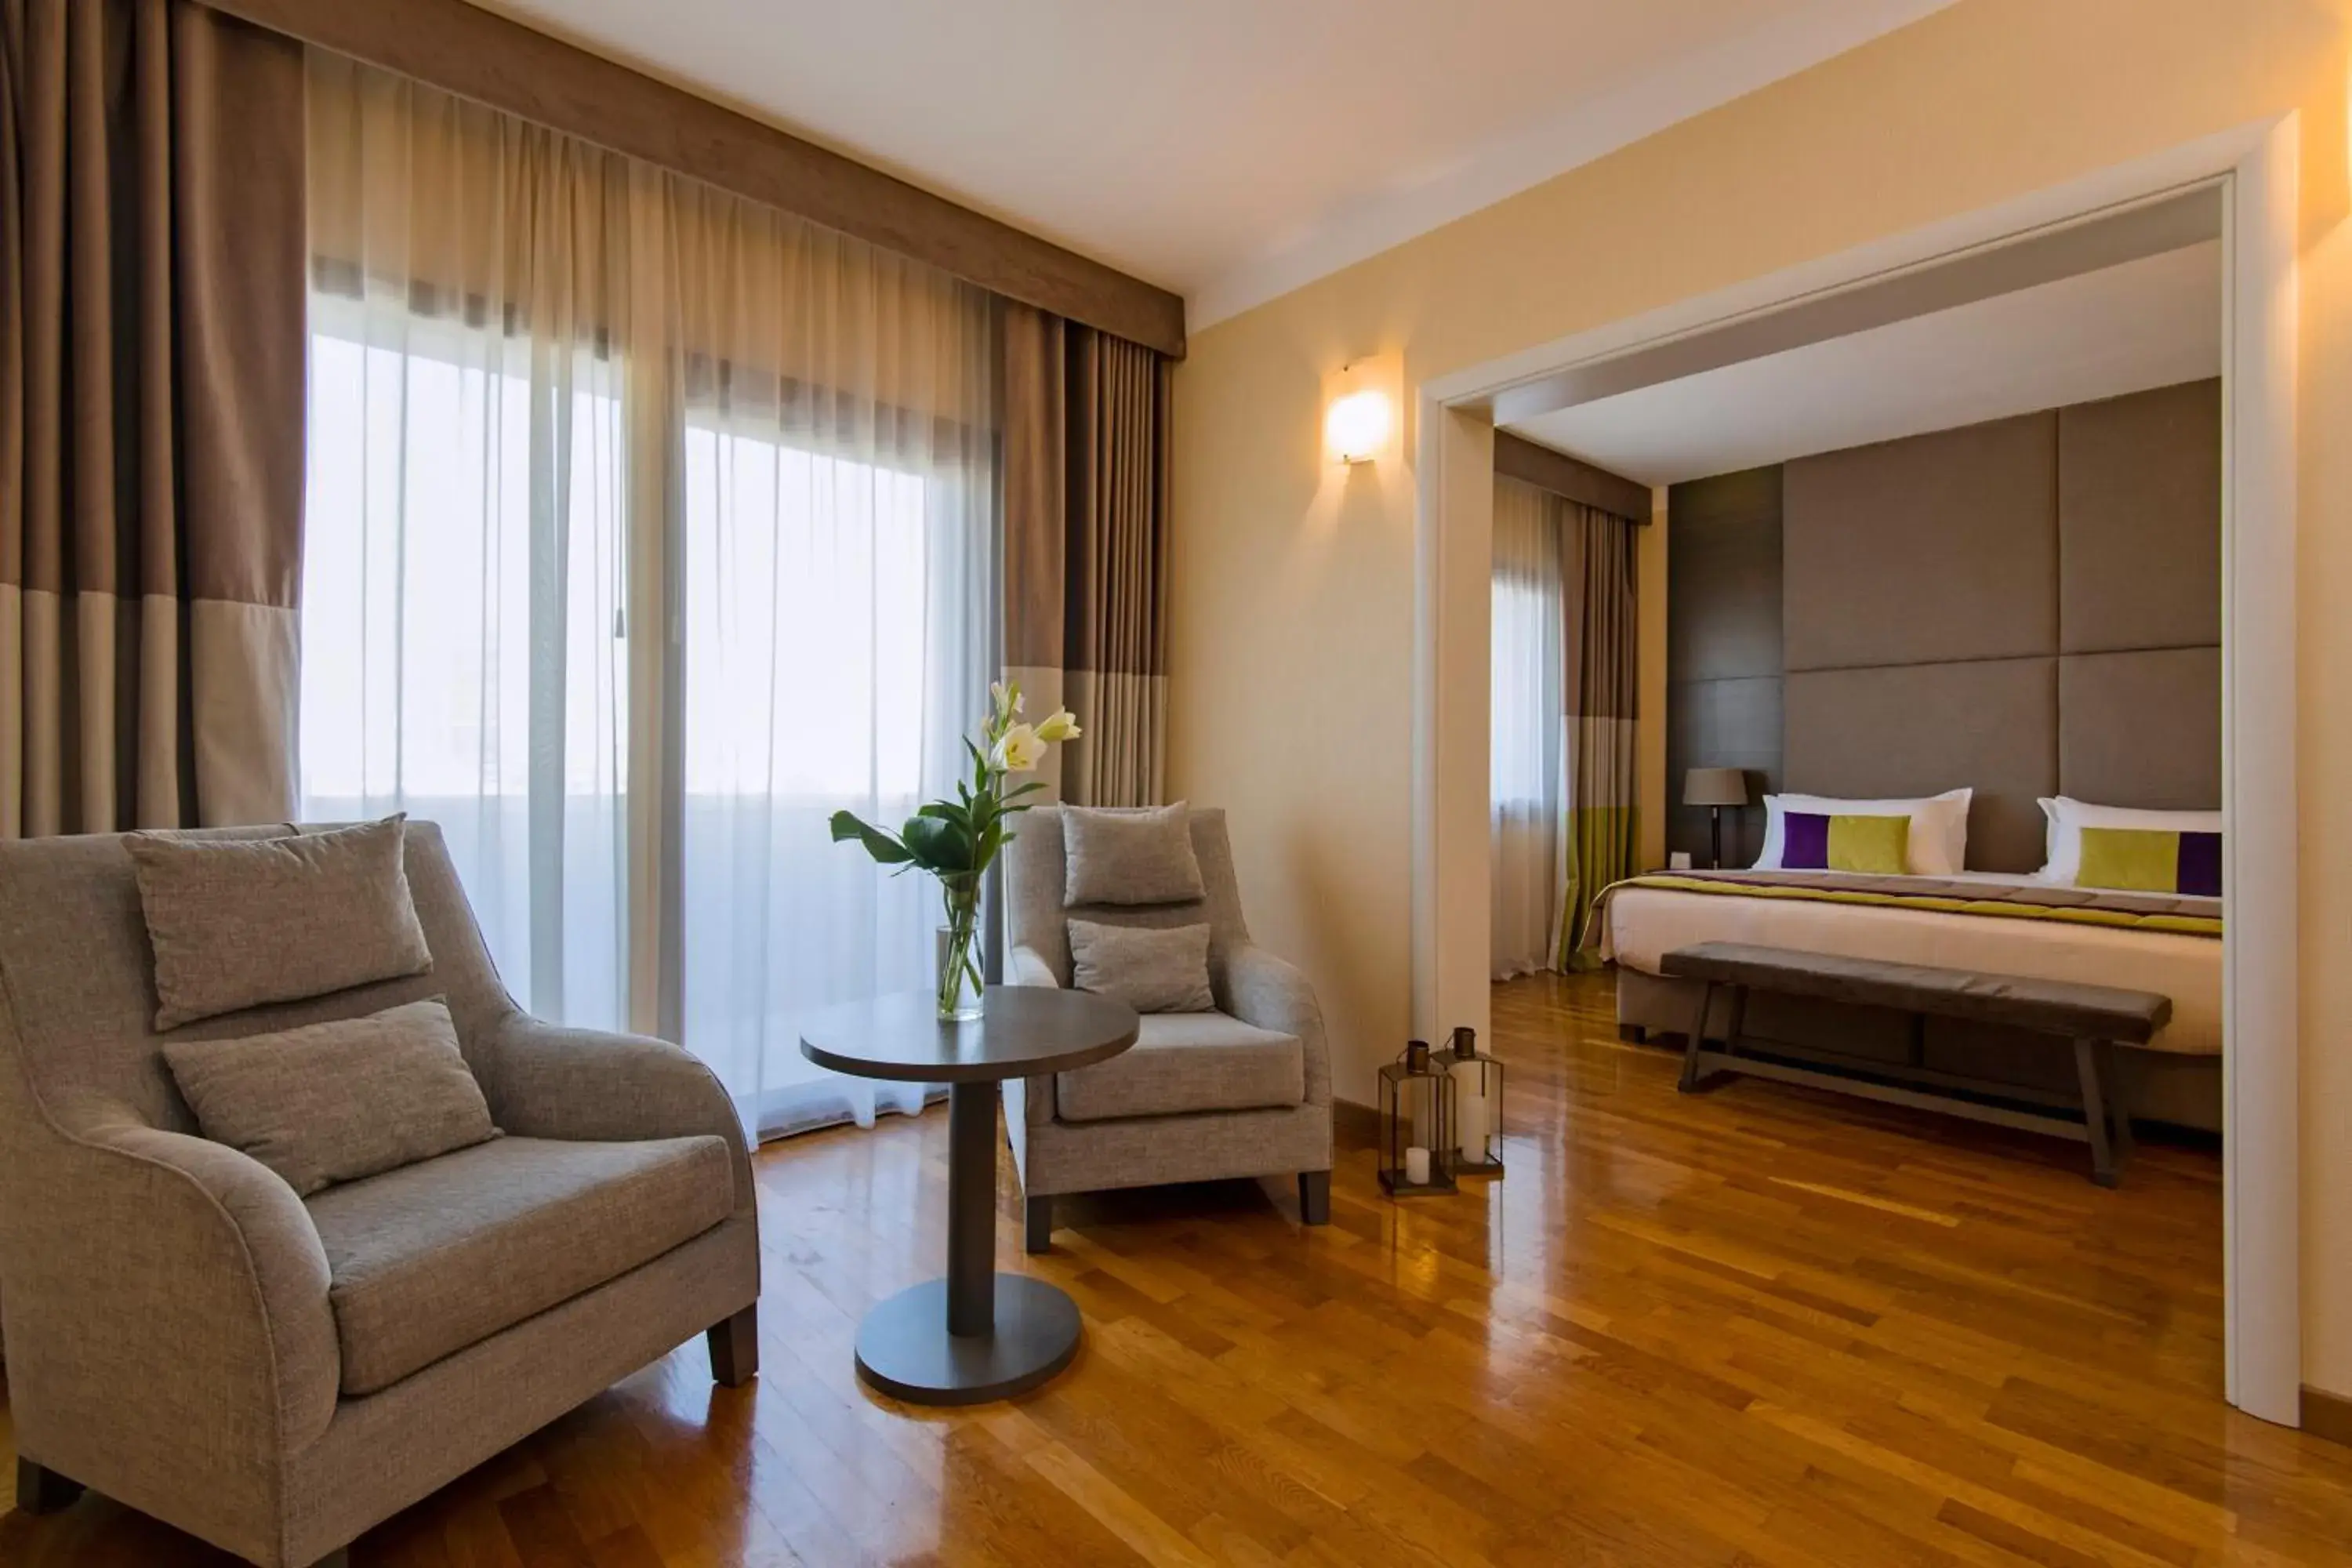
(1571, 478)
(477, 54)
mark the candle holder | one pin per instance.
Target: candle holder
(1477, 1106)
(1417, 1133)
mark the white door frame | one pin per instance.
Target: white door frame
(1454, 530)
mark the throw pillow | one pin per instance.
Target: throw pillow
(334, 1102)
(1874, 845)
(1129, 856)
(237, 922)
(2151, 860)
(1152, 969)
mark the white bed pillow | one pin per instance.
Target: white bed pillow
(2063, 853)
(1938, 845)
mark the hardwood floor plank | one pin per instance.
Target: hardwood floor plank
(1766, 1328)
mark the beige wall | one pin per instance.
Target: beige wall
(1293, 613)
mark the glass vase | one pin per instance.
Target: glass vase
(959, 949)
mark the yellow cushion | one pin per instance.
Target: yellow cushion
(1877, 845)
(2129, 859)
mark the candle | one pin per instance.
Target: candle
(1416, 1166)
(1470, 1112)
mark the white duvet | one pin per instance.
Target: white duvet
(1645, 923)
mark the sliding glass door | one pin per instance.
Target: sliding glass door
(465, 655)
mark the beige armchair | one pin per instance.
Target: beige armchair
(1242, 1091)
(274, 1376)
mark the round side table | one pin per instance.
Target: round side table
(975, 1335)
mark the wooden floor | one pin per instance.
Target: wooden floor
(1761, 1326)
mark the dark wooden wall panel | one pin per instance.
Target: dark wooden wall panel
(1722, 649)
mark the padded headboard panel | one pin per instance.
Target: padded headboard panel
(1922, 728)
(2029, 606)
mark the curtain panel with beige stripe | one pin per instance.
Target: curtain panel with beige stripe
(1564, 819)
(1601, 680)
(150, 416)
(1085, 550)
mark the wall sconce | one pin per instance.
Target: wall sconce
(1360, 420)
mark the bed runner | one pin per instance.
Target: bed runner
(2182, 916)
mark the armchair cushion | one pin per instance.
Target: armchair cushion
(335, 1101)
(238, 922)
(1121, 855)
(428, 1259)
(1187, 1062)
(1152, 969)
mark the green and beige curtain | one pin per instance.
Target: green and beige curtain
(150, 416)
(1601, 683)
(1562, 824)
(1085, 550)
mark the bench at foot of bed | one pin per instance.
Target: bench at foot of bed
(2092, 1019)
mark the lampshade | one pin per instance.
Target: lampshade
(1715, 786)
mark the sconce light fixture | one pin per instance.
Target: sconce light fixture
(1356, 427)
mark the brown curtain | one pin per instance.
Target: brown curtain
(152, 339)
(1601, 685)
(1086, 549)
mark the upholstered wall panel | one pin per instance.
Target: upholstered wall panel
(1722, 649)
(2142, 729)
(2029, 608)
(1931, 548)
(2139, 535)
(1911, 730)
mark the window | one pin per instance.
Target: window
(444, 543)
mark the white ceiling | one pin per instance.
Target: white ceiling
(1230, 150)
(2150, 322)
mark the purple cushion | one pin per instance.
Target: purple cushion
(2201, 865)
(1805, 841)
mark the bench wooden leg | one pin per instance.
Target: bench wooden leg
(2112, 1078)
(1693, 1081)
(2095, 1111)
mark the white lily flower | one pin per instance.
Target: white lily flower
(1063, 725)
(1018, 751)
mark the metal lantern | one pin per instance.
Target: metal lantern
(1477, 1106)
(1417, 1135)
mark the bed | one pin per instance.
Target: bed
(2029, 608)
(2170, 946)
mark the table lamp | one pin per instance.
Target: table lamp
(1715, 788)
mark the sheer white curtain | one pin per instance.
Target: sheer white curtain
(840, 520)
(464, 645)
(646, 528)
(1527, 840)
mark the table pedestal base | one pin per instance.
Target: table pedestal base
(904, 1348)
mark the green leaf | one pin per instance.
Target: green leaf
(938, 845)
(946, 812)
(885, 850)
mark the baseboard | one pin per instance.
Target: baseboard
(2327, 1415)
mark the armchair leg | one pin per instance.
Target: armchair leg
(1038, 1226)
(40, 1489)
(1315, 1197)
(735, 1348)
